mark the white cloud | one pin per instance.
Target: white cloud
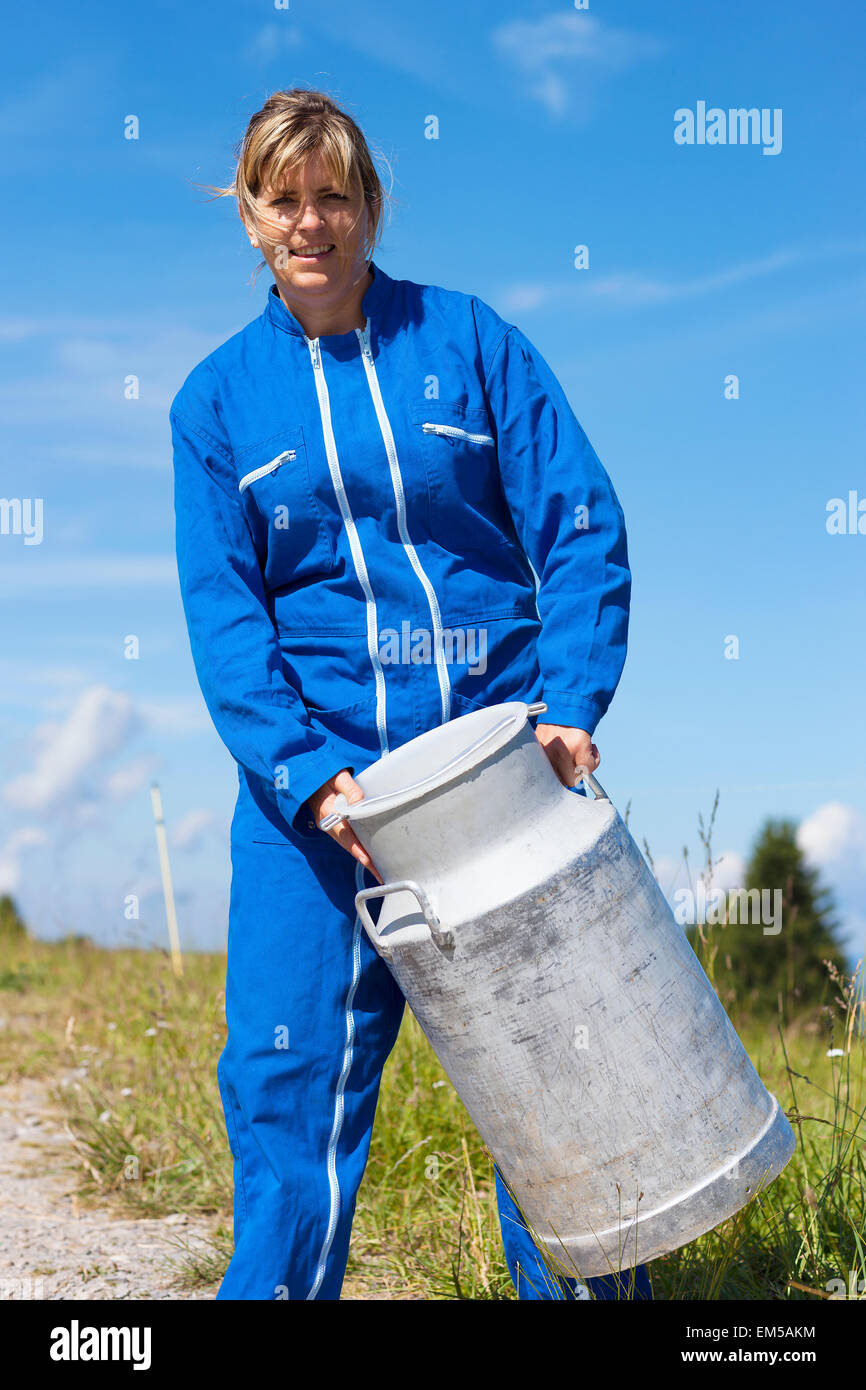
(834, 836)
(126, 780)
(729, 870)
(28, 837)
(98, 725)
(833, 840)
(144, 888)
(522, 298)
(192, 828)
(670, 873)
(578, 43)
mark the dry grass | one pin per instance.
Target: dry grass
(131, 1053)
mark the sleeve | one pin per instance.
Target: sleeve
(257, 712)
(571, 525)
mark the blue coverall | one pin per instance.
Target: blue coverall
(377, 531)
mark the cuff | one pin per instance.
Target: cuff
(308, 772)
(571, 711)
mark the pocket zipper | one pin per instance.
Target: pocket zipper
(266, 468)
(429, 428)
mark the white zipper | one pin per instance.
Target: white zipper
(429, 428)
(266, 468)
(354, 541)
(400, 497)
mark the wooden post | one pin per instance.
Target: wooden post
(167, 890)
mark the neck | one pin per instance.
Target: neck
(340, 317)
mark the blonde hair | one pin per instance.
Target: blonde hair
(290, 128)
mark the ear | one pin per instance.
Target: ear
(254, 240)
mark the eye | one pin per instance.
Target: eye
(290, 198)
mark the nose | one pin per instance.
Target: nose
(310, 215)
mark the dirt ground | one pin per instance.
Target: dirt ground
(52, 1246)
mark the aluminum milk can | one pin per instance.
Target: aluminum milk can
(562, 998)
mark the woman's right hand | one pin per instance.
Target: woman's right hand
(321, 804)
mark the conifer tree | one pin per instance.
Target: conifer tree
(755, 971)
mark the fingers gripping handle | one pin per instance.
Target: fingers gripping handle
(442, 936)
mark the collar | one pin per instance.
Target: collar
(375, 297)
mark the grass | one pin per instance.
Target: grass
(130, 1053)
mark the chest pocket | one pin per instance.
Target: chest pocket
(284, 514)
(468, 511)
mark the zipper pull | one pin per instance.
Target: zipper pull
(364, 340)
(313, 345)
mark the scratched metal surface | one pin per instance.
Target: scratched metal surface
(572, 1015)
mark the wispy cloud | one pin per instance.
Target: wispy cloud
(41, 104)
(634, 289)
(729, 870)
(130, 777)
(66, 576)
(191, 830)
(34, 679)
(176, 716)
(389, 34)
(272, 41)
(629, 289)
(74, 376)
(564, 56)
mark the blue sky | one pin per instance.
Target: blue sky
(556, 128)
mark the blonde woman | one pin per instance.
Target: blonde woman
(369, 459)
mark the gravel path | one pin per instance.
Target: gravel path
(52, 1247)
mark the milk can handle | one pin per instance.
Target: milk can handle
(443, 936)
(583, 773)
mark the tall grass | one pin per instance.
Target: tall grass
(130, 1054)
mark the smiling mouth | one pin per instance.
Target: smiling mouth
(312, 253)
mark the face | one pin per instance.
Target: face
(319, 255)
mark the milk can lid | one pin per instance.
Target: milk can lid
(433, 759)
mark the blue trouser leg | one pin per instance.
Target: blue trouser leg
(534, 1281)
(312, 1015)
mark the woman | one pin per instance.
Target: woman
(365, 477)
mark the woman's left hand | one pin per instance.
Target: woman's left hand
(567, 749)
